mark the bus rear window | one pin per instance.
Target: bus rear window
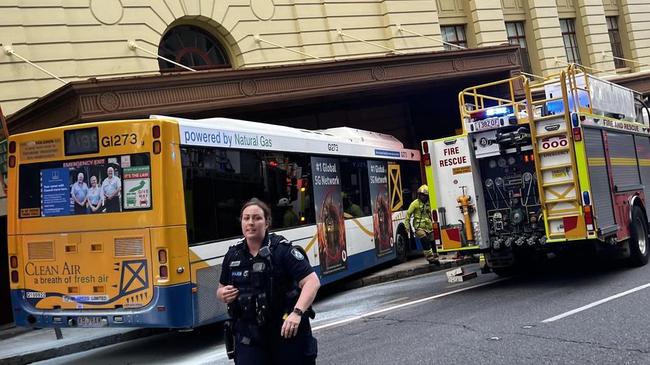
(87, 186)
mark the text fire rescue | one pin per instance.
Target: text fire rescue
(452, 161)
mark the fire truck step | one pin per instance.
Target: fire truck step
(563, 215)
(560, 200)
(560, 132)
(553, 167)
(550, 117)
(558, 183)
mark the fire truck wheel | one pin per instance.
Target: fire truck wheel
(638, 238)
(504, 271)
(401, 246)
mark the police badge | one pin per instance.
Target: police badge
(297, 254)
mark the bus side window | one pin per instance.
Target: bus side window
(410, 171)
(213, 194)
(287, 187)
(354, 188)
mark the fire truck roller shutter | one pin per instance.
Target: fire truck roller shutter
(622, 155)
(601, 194)
(643, 153)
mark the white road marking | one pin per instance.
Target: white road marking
(407, 304)
(599, 302)
(394, 300)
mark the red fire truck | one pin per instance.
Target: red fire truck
(542, 167)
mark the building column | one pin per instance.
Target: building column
(487, 22)
(591, 23)
(547, 37)
(634, 13)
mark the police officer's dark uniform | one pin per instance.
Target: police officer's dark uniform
(268, 290)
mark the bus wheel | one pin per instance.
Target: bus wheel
(638, 238)
(401, 243)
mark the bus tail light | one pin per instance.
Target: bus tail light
(156, 147)
(436, 226)
(12, 147)
(164, 272)
(13, 262)
(12, 161)
(589, 218)
(162, 256)
(14, 276)
(155, 131)
(426, 159)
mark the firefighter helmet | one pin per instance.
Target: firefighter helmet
(423, 190)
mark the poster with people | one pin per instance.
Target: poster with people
(111, 187)
(89, 186)
(382, 220)
(85, 193)
(329, 215)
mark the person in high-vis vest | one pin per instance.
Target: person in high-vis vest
(420, 212)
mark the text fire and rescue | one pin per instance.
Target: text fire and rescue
(452, 161)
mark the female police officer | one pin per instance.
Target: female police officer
(268, 286)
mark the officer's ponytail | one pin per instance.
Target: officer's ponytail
(265, 208)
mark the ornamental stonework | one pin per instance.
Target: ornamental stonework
(109, 101)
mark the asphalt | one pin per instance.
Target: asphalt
(24, 345)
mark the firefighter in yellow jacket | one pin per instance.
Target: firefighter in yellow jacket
(420, 212)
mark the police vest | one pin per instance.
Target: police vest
(263, 285)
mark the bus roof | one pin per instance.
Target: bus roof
(241, 134)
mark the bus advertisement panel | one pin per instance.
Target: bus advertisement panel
(378, 183)
(329, 214)
(87, 186)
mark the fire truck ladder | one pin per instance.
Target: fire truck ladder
(555, 164)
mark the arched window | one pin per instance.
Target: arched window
(193, 47)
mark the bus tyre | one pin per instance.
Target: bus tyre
(401, 244)
(638, 238)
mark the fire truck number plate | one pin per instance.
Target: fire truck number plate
(489, 123)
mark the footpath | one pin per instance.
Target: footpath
(23, 345)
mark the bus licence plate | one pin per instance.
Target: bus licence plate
(91, 322)
(489, 123)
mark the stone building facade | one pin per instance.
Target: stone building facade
(82, 39)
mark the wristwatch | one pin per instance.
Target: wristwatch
(298, 311)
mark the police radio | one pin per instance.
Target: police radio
(259, 268)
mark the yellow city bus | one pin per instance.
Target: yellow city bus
(125, 223)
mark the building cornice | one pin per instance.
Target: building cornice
(214, 90)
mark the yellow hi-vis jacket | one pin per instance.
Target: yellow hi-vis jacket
(421, 213)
